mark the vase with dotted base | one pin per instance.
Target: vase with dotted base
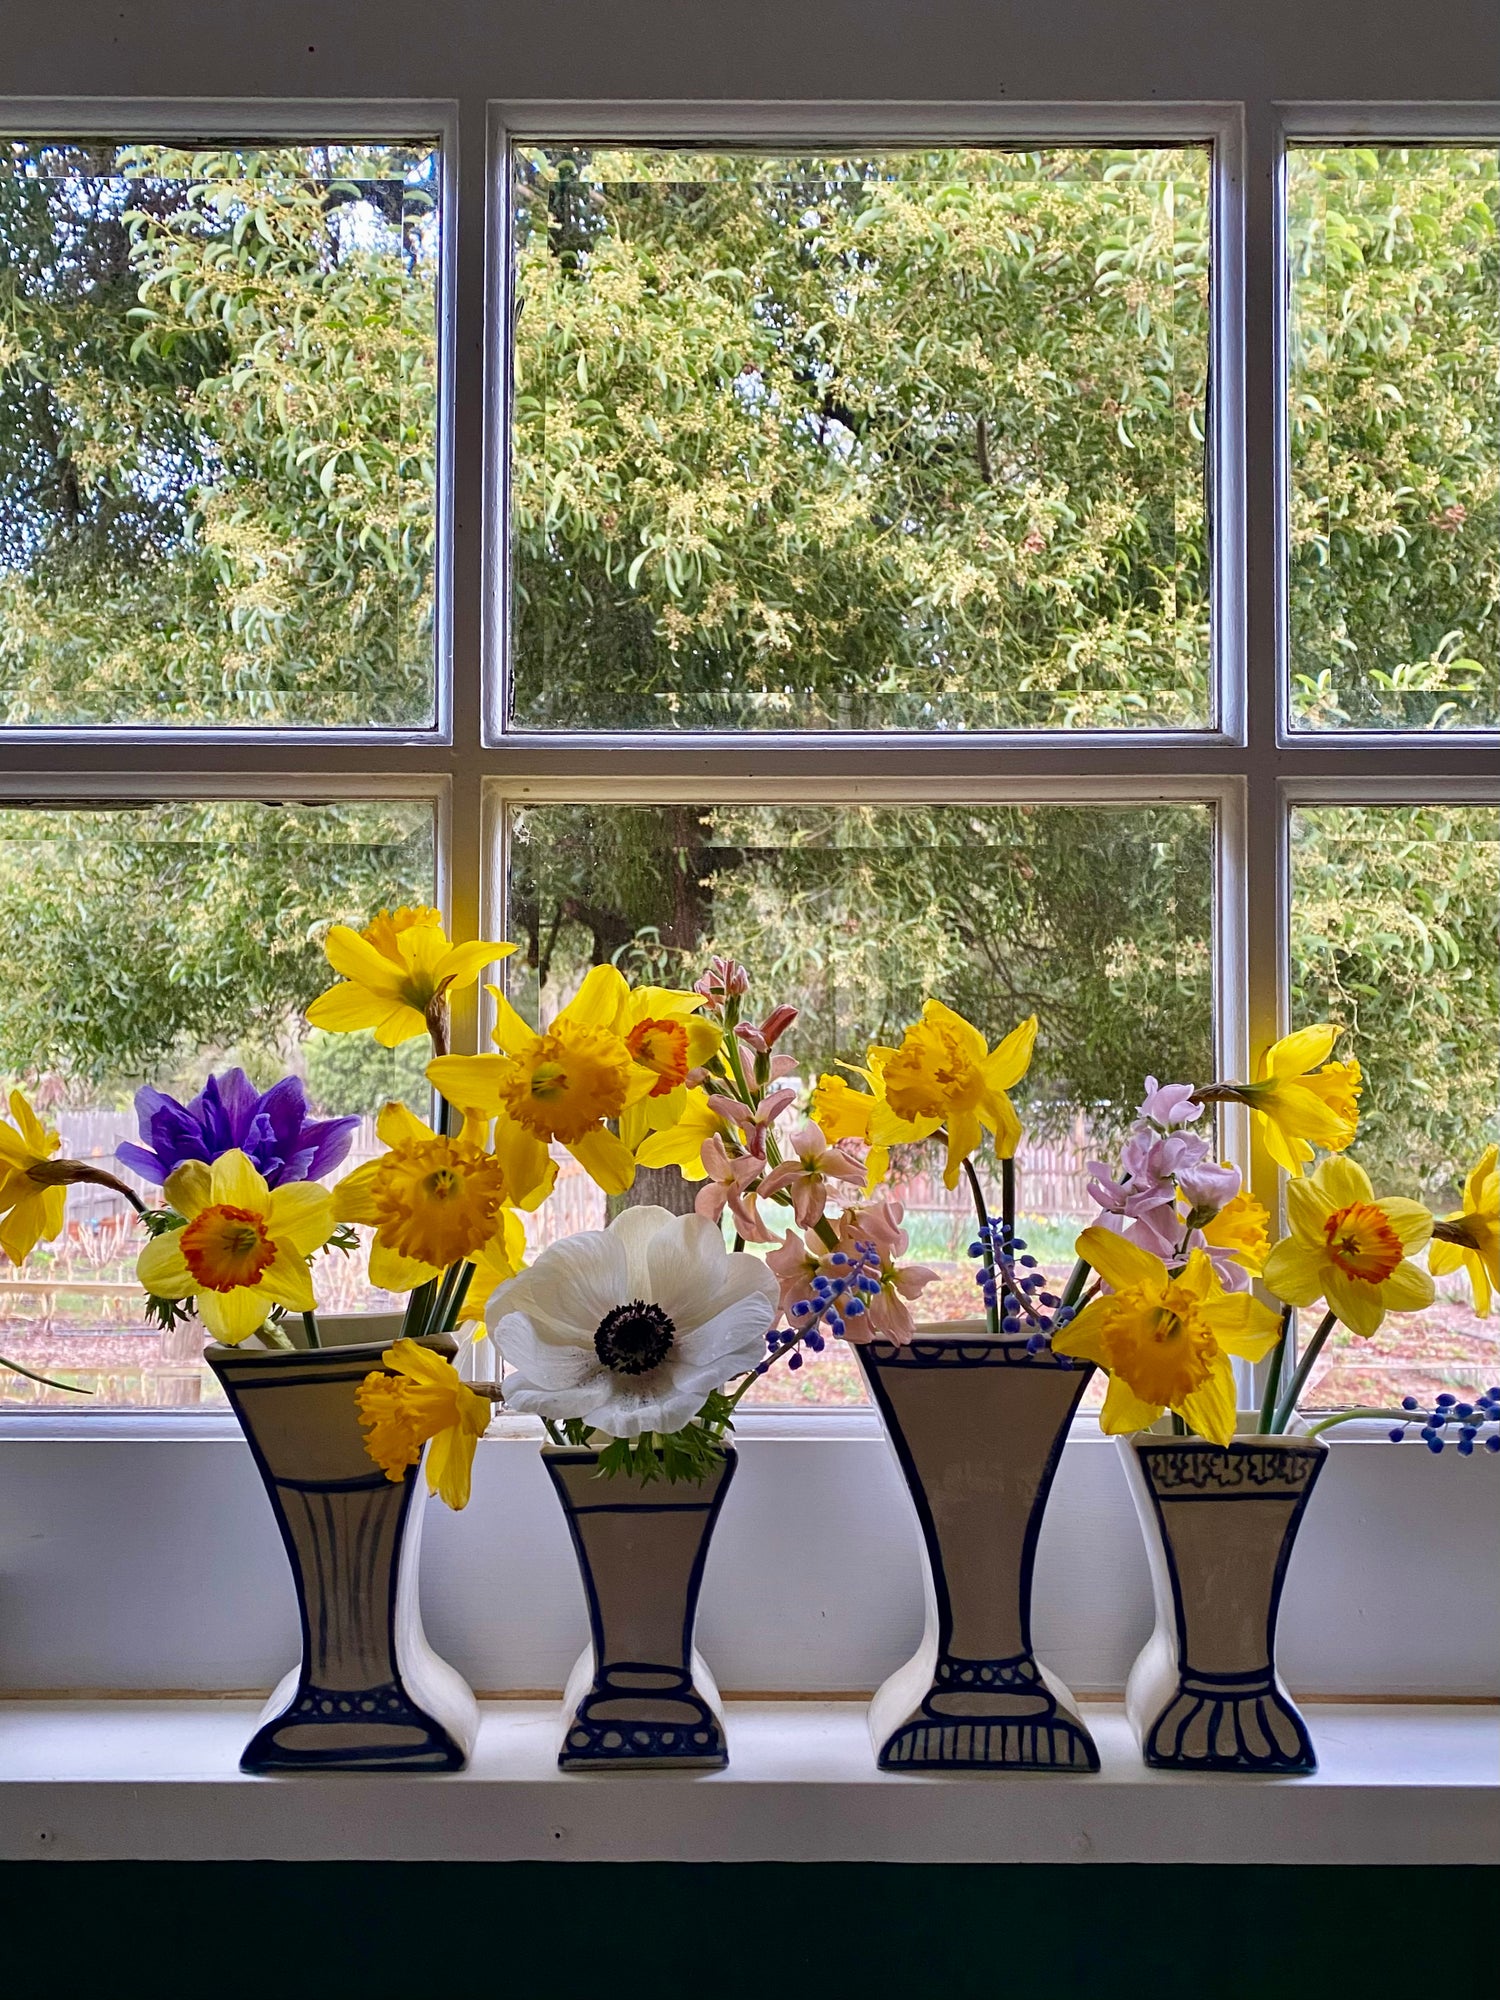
(1220, 1523)
(977, 1425)
(640, 1696)
(369, 1693)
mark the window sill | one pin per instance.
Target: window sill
(157, 1781)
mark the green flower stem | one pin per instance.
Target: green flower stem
(1078, 1277)
(1350, 1416)
(437, 1319)
(418, 1310)
(992, 1303)
(1008, 1195)
(1287, 1407)
(310, 1327)
(1273, 1379)
(456, 1304)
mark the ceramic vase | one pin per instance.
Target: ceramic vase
(640, 1695)
(978, 1427)
(369, 1693)
(1220, 1524)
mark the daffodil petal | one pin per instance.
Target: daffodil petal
(162, 1268)
(1344, 1182)
(1408, 1289)
(392, 1272)
(470, 1082)
(1411, 1222)
(239, 1183)
(597, 1001)
(1211, 1409)
(1296, 1054)
(1120, 1263)
(605, 1159)
(287, 1281)
(355, 958)
(346, 1009)
(233, 1316)
(1294, 1272)
(1124, 1411)
(1359, 1306)
(354, 1196)
(462, 964)
(189, 1188)
(301, 1214)
(1011, 1059)
(398, 1125)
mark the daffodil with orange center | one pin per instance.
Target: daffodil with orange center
(242, 1248)
(563, 1086)
(664, 1033)
(1472, 1235)
(420, 1398)
(1351, 1249)
(1300, 1099)
(1165, 1338)
(434, 1202)
(31, 1208)
(944, 1073)
(395, 974)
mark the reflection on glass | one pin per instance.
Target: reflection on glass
(869, 441)
(1395, 436)
(218, 392)
(1394, 914)
(1097, 917)
(156, 944)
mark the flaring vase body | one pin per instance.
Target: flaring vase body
(640, 1695)
(369, 1693)
(1220, 1523)
(978, 1427)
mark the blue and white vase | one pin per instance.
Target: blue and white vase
(640, 1696)
(978, 1426)
(369, 1693)
(1220, 1523)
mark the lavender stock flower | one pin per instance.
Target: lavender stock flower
(271, 1126)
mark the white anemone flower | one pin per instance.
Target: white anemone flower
(631, 1327)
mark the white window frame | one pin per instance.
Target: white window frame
(1250, 766)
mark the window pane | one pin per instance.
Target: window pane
(158, 943)
(218, 389)
(1098, 917)
(905, 440)
(1394, 917)
(1395, 436)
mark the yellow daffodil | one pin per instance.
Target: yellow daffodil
(501, 1258)
(664, 1033)
(840, 1111)
(422, 1397)
(1474, 1241)
(1301, 1099)
(396, 972)
(1165, 1340)
(243, 1246)
(1350, 1249)
(433, 1202)
(944, 1073)
(561, 1086)
(31, 1209)
(681, 1144)
(1243, 1228)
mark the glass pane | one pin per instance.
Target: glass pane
(1097, 917)
(862, 441)
(218, 395)
(156, 944)
(1395, 436)
(1394, 916)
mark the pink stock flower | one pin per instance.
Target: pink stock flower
(1209, 1185)
(730, 1184)
(723, 978)
(888, 1314)
(753, 1124)
(1170, 1104)
(804, 1182)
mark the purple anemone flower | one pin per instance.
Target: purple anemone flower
(272, 1127)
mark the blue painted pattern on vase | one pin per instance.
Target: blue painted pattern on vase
(1220, 1523)
(368, 1694)
(640, 1694)
(978, 1427)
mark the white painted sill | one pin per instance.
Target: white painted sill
(157, 1781)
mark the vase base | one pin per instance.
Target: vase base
(992, 1715)
(1251, 1729)
(636, 1716)
(342, 1729)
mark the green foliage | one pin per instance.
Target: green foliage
(353, 1073)
(909, 440)
(217, 434)
(689, 1455)
(1395, 413)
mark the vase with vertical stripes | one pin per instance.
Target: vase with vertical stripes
(641, 1696)
(369, 1693)
(978, 1426)
(1220, 1524)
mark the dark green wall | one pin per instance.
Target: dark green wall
(575, 1931)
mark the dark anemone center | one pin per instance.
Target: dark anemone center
(634, 1338)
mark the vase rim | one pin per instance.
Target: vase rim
(1275, 1440)
(284, 1357)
